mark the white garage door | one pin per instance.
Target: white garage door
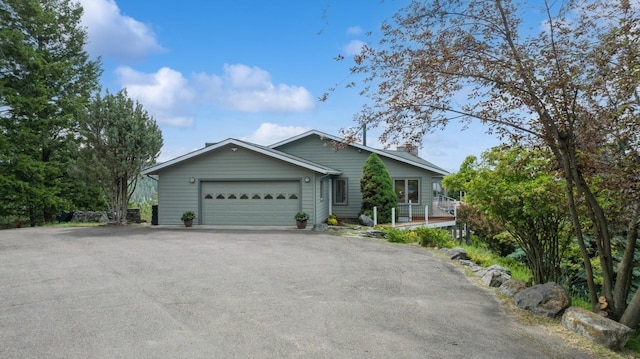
(252, 203)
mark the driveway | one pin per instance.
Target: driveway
(142, 292)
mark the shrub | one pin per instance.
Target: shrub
(377, 189)
(332, 220)
(396, 235)
(434, 237)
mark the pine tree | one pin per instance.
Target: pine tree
(377, 189)
(46, 77)
(120, 139)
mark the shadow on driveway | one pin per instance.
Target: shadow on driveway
(140, 292)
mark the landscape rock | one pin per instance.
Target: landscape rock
(548, 299)
(512, 286)
(601, 330)
(494, 276)
(466, 262)
(457, 253)
(373, 233)
(366, 220)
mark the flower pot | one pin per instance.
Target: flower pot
(188, 223)
(301, 224)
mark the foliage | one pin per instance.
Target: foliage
(118, 126)
(301, 216)
(332, 220)
(490, 231)
(377, 189)
(434, 237)
(570, 87)
(515, 187)
(188, 216)
(46, 77)
(484, 257)
(397, 235)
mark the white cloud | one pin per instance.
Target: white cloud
(165, 94)
(354, 30)
(250, 89)
(169, 96)
(112, 34)
(270, 133)
(353, 47)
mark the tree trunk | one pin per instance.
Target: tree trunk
(631, 315)
(625, 268)
(564, 160)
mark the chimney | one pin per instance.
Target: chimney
(364, 134)
(408, 148)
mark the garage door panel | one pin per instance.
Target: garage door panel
(250, 203)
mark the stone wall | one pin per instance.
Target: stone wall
(133, 216)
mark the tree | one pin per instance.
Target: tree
(45, 78)
(120, 139)
(377, 189)
(572, 87)
(514, 187)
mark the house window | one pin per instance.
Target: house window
(340, 191)
(407, 190)
(321, 190)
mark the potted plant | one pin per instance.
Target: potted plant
(187, 218)
(301, 220)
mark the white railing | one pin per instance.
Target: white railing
(445, 206)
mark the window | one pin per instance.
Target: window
(321, 190)
(340, 191)
(407, 190)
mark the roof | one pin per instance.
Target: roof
(400, 156)
(271, 152)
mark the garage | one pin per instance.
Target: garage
(255, 203)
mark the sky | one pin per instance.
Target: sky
(247, 69)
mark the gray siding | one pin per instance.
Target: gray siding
(322, 198)
(351, 161)
(176, 194)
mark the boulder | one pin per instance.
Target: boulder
(495, 275)
(512, 286)
(373, 233)
(548, 299)
(494, 268)
(366, 220)
(601, 330)
(457, 253)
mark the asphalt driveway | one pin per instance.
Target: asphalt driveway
(141, 292)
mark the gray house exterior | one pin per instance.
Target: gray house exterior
(235, 182)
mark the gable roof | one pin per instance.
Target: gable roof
(249, 146)
(400, 156)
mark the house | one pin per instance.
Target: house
(235, 182)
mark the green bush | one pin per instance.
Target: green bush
(434, 237)
(377, 189)
(396, 235)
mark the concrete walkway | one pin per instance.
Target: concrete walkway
(141, 292)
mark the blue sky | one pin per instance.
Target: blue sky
(247, 69)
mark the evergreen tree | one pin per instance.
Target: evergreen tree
(120, 139)
(45, 78)
(377, 189)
